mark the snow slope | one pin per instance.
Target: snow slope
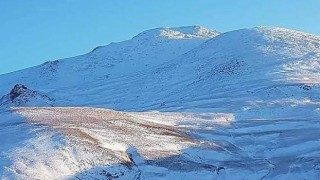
(274, 66)
(101, 143)
(144, 51)
(263, 81)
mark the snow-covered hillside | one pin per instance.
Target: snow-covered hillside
(178, 70)
(265, 81)
(144, 51)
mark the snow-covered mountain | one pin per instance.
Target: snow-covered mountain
(188, 69)
(264, 81)
(144, 51)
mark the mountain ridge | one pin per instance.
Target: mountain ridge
(183, 32)
(273, 55)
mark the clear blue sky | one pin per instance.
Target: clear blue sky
(35, 31)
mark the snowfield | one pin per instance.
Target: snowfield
(82, 143)
(170, 103)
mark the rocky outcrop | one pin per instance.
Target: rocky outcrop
(20, 95)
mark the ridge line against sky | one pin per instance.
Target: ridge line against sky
(36, 31)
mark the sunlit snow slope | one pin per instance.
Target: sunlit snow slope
(250, 71)
(254, 93)
(144, 51)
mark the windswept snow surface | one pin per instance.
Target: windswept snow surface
(93, 143)
(105, 138)
(187, 103)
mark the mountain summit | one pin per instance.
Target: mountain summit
(185, 32)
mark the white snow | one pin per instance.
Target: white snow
(241, 104)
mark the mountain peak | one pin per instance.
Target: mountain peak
(185, 32)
